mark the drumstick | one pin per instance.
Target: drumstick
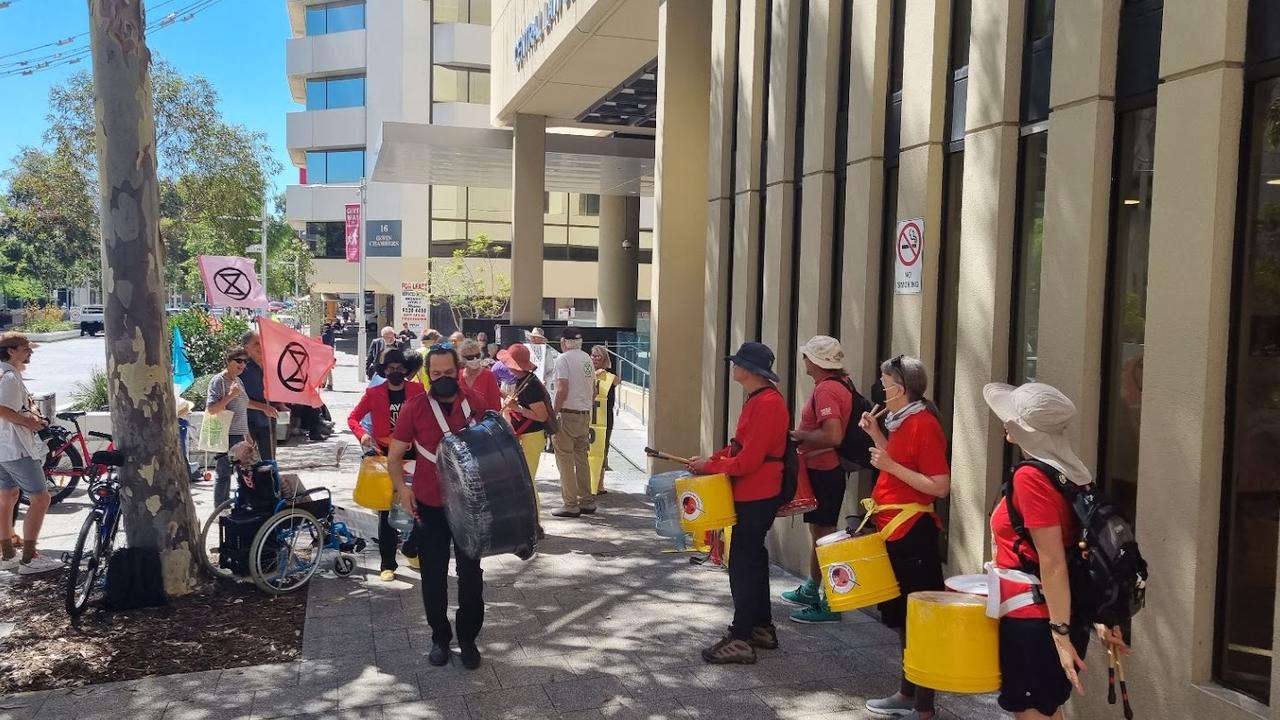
(1111, 677)
(1124, 689)
(665, 456)
(881, 411)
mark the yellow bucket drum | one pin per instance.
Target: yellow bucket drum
(951, 643)
(855, 571)
(706, 503)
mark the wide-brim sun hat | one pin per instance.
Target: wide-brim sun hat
(824, 351)
(1036, 417)
(516, 357)
(755, 358)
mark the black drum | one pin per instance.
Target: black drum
(488, 494)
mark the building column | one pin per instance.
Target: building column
(679, 256)
(1189, 306)
(528, 186)
(985, 273)
(618, 266)
(1078, 210)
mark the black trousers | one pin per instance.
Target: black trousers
(749, 567)
(389, 538)
(434, 538)
(918, 567)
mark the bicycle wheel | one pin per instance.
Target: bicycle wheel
(63, 471)
(286, 551)
(210, 540)
(86, 564)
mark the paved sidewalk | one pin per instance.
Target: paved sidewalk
(602, 623)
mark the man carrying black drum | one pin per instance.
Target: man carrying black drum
(422, 423)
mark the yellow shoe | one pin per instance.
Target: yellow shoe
(388, 575)
(413, 563)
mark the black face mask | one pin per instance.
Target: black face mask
(396, 378)
(444, 387)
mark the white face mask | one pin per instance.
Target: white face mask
(475, 364)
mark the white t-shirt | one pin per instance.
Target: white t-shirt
(575, 370)
(16, 441)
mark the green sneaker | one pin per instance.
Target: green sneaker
(805, 596)
(815, 615)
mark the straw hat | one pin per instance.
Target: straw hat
(1036, 417)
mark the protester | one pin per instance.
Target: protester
(536, 337)
(385, 341)
(21, 460)
(528, 410)
(326, 337)
(483, 339)
(226, 392)
(430, 339)
(823, 423)
(753, 462)
(423, 422)
(456, 339)
(1041, 651)
(261, 414)
(575, 393)
(405, 338)
(477, 378)
(913, 473)
(603, 365)
(384, 402)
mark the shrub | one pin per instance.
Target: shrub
(91, 395)
(43, 319)
(207, 338)
(197, 393)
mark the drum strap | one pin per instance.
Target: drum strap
(997, 607)
(908, 511)
(444, 427)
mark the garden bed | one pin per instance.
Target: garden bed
(218, 627)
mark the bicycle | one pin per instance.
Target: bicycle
(64, 459)
(87, 564)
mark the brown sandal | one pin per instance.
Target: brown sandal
(730, 650)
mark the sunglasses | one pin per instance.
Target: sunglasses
(240, 360)
(471, 357)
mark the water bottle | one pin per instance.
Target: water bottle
(399, 519)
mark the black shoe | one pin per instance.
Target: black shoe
(439, 655)
(588, 511)
(562, 513)
(541, 534)
(470, 655)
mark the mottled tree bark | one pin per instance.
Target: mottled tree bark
(157, 506)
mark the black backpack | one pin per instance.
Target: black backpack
(1107, 573)
(854, 449)
(134, 579)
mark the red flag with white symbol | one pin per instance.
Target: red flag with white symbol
(293, 365)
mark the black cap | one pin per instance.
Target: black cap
(391, 356)
(571, 333)
(756, 358)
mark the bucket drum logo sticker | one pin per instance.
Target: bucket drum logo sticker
(691, 505)
(842, 578)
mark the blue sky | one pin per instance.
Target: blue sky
(237, 44)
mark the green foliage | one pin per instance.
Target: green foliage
(288, 262)
(198, 392)
(47, 319)
(207, 338)
(91, 395)
(468, 283)
(22, 289)
(48, 221)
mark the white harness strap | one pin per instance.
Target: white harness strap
(998, 607)
(444, 427)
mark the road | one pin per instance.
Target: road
(57, 367)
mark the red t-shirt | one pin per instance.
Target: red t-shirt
(1042, 506)
(417, 423)
(484, 387)
(919, 445)
(761, 433)
(831, 400)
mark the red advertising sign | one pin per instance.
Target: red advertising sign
(353, 232)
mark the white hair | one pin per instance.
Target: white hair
(387, 329)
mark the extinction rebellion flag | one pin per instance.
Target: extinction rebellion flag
(293, 365)
(231, 282)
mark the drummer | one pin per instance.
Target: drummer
(753, 462)
(422, 424)
(1041, 651)
(912, 462)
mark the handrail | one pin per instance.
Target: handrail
(637, 367)
(644, 389)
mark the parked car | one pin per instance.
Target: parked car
(91, 319)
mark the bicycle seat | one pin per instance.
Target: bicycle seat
(70, 415)
(110, 458)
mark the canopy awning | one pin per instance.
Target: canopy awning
(424, 154)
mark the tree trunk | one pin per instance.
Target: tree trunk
(158, 512)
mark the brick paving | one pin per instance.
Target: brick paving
(603, 622)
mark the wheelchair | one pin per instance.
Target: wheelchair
(275, 540)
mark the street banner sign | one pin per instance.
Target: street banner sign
(231, 282)
(353, 232)
(294, 365)
(908, 260)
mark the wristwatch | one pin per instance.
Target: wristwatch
(1060, 628)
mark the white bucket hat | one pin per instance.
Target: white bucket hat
(825, 352)
(1036, 417)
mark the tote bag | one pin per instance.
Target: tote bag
(215, 432)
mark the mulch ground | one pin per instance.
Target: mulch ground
(218, 627)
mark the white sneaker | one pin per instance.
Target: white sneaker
(39, 564)
(11, 563)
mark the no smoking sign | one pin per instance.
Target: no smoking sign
(909, 257)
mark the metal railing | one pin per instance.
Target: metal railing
(634, 368)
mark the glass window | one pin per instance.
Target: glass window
(492, 204)
(327, 239)
(1248, 570)
(498, 232)
(556, 206)
(449, 11)
(335, 166)
(890, 227)
(335, 17)
(478, 87)
(1127, 306)
(584, 236)
(961, 13)
(481, 12)
(339, 92)
(448, 85)
(944, 389)
(448, 202)
(1030, 243)
(589, 205)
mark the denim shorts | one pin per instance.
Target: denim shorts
(26, 473)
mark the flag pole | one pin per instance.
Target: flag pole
(361, 320)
